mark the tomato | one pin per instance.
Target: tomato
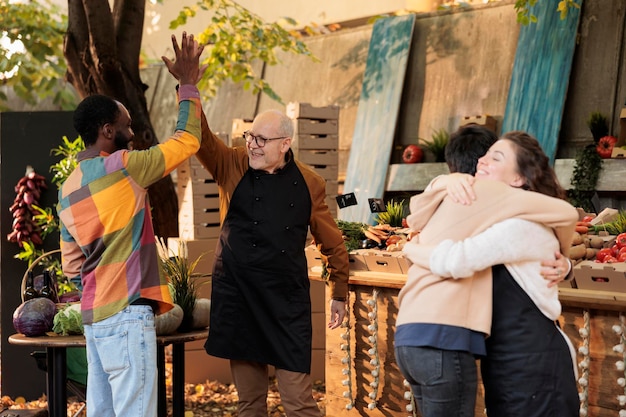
(587, 219)
(610, 260)
(412, 154)
(614, 250)
(605, 146)
(622, 250)
(603, 253)
(621, 257)
(620, 240)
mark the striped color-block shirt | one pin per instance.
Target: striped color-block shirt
(107, 236)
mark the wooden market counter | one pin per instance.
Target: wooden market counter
(361, 368)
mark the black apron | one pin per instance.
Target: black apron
(260, 299)
(528, 371)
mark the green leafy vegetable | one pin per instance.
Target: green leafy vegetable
(68, 320)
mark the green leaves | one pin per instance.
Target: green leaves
(69, 151)
(182, 281)
(236, 39)
(437, 144)
(525, 15)
(396, 211)
(32, 50)
(587, 167)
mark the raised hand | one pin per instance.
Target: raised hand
(186, 67)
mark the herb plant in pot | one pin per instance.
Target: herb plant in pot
(183, 286)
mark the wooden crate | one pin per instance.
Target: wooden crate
(192, 232)
(202, 249)
(319, 157)
(297, 110)
(206, 187)
(328, 172)
(199, 216)
(332, 187)
(201, 202)
(315, 127)
(236, 135)
(316, 141)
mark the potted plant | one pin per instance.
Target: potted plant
(183, 285)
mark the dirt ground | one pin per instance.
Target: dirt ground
(211, 399)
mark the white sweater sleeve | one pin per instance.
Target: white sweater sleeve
(505, 242)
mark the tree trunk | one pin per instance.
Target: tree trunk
(102, 51)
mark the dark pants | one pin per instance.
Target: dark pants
(528, 371)
(443, 381)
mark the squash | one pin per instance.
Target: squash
(168, 322)
(201, 313)
(35, 316)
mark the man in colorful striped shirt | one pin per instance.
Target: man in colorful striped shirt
(107, 239)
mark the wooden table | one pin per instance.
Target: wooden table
(57, 367)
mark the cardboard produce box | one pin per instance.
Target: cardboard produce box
(383, 261)
(482, 120)
(314, 260)
(597, 276)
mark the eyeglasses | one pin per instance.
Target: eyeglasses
(259, 140)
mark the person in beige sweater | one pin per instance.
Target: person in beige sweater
(442, 323)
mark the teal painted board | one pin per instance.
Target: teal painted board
(377, 114)
(543, 62)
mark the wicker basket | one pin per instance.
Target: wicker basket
(32, 266)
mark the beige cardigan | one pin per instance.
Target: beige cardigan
(427, 298)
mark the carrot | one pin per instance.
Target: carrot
(581, 229)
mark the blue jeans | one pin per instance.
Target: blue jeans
(122, 364)
(443, 382)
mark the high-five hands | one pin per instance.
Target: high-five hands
(186, 67)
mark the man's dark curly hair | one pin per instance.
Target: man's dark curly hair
(92, 113)
(466, 145)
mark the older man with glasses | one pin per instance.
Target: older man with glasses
(261, 307)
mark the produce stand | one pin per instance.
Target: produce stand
(362, 377)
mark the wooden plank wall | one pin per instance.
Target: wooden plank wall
(540, 78)
(460, 65)
(598, 78)
(377, 115)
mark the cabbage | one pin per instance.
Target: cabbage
(68, 320)
(34, 317)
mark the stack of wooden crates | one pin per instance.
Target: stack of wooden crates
(199, 227)
(316, 143)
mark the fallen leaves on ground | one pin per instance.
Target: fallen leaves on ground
(211, 399)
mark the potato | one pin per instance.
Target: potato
(590, 253)
(577, 252)
(596, 242)
(577, 239)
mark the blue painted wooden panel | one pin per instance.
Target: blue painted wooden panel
(377, 113)
(540, 77)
